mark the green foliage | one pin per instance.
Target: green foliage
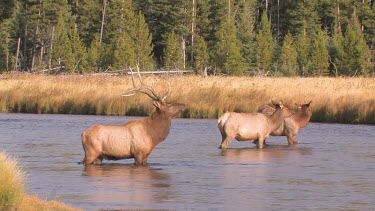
(124, 52)
(354, 55)
(228, 56)
(79, 52)
(303, 49)
(303, 16)
(319, 54)
(149, 23)
(201, 57)
(173, 55)
(88, 20)
(266, 46)
(93, 55)
(62, 54)
(245, 31)
(288, 58)
(143, 44)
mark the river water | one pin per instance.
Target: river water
(333, 168)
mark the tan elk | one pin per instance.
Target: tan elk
(291, 125)
(135, 139)
(250, 126)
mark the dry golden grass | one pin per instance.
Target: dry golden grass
(32, 203)
(344, 100)
(12, 195)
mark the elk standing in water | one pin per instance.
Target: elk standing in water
(254, 126)
(136, 139)
(291, 125)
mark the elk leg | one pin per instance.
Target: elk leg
(91, 160)
(261, 142)
(139, 159)
(292, 139)
(225, 143)
(144, 162)
(98, 160)
(83, 161)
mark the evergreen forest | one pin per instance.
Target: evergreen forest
(229, 37)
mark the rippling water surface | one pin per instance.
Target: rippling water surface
(332, 168)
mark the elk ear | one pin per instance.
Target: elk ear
(309, 104)
(156, 104)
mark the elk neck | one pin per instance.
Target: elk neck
(276, 119)
(302, 117)
(160, 124)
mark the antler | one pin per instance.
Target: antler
(145, 89)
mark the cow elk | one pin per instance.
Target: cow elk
(250, 126)
(135, 139)
(291, 125)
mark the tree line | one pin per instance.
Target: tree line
(234, 37)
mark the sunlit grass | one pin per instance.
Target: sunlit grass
(11, 182)
(344, 100)
(12, 193)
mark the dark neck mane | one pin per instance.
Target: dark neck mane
(160, 124)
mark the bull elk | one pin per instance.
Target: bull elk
(291, 125)
(135, 139)
(251, 126)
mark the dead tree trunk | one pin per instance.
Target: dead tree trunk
(103, 17)
(51, 48)
(18, 53)
(192, 34)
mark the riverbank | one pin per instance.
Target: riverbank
(12, 190)
(335, 100)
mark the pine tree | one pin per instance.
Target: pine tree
(266, 46)
(89, 19)
(62, 52)
(303, 48)
(355, 53)
(201, 57)
(79, 51)
(10, 32)
(93, 55)
(143, 44)
(245, 31)
(172, 53)
(319, 54)
(124, 52)
(229, 59)
(120, 19)
(303, 16)
(288, 58)
(335, 48)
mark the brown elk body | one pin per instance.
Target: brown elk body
(291, 125)
(250, 126)
(135, 139)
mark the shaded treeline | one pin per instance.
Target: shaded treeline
(235, 37)
(340, 100)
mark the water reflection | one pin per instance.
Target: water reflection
(128, 184)
(269, 153)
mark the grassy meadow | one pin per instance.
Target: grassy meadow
(12, 190)
(339, 100)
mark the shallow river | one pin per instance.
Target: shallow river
(333, 167)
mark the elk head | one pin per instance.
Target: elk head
(162, 107)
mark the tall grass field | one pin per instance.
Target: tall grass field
(339, 100)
